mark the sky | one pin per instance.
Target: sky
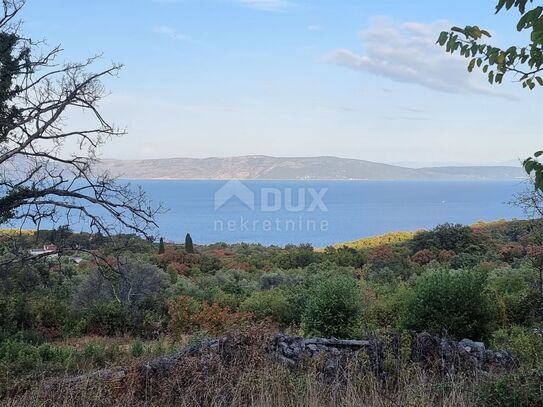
(348, 78)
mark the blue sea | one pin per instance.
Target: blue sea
(322, 212)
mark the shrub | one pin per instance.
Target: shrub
(98, 354)
(108, 318)
(512, 390)
(445, 237)
(515, 289)
(465, 261)
(181, 311)
(134, 284)
(523, 342)
(423, 257)
(345, 256)
(297, 256)
(384, 309)
(511, 251)
(216, 320)
(383, 256)
(333, 308)
(272, 303)
(123, 296)
(23, 358)
(450, 302)
(137, 348)
(49, 316)
(271, 280)
(208, 264)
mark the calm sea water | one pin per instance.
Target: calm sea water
(322, 212)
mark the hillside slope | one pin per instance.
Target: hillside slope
(265, 167)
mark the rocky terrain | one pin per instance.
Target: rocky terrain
(335, 356)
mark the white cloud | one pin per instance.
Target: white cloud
(314, 27)
(408, 53)
(171, 33)
(266, 5)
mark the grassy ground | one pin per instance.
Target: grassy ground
(244, 375)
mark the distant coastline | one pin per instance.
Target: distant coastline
(295, 168)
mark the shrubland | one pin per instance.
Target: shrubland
(95, 307)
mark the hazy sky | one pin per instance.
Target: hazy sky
(350, 78)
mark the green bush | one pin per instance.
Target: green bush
(108, 318)
(297, 256)
(458, 238)
(137, 347)
(383, 307)
(523, 342)
(99, 354)
(515, 290)
(333, 307)
(522, 389)
(23, 358)
(453, 303)
(271, 303)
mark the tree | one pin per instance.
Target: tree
(525, 62)
(161, 248)
(189, 248)
(136, 284)
(41, 180)
(447, 236)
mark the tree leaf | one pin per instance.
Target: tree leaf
(443, 38)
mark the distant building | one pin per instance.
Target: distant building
(49, 249)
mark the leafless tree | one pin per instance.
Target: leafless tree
(43, 178)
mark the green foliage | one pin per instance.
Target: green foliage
(333, 308)
(297, 256)
(189, 247)
(161, 248)
(526, 344)
(533, 166)
(465, 261)
(521, 389)
(339, 292)
(454, 303)
(514, 289)
(345, 256)
(497, 62)
(209, 264)
(383, 306)
(272, 304)
(137, 347)
(120, 300)
(444, 237)
(524, 61)
(107, 318)
(20, 357)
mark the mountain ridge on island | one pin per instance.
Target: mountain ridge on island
(261, 167)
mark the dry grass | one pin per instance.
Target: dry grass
(242, 374)
(272, 385)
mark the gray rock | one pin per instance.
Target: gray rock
(312, 347)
